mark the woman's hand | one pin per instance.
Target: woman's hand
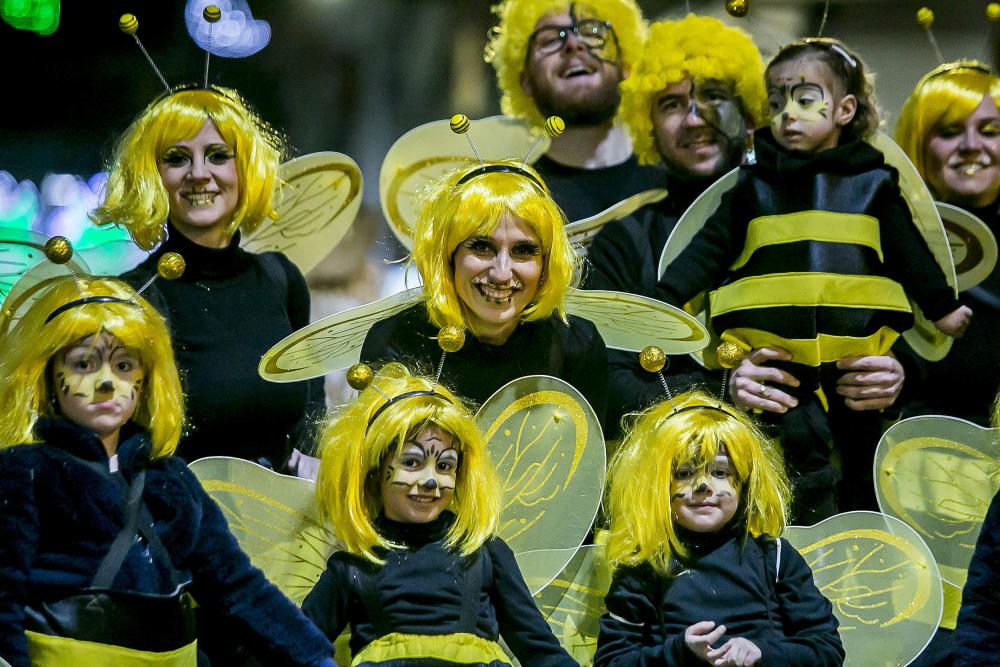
(871, 383)
(699, 638)
(754, 386)
(737, 652)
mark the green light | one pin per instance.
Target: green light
(40, 16)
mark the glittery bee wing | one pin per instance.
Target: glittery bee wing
(882, 581)
(274, 518)
(631, 322)
(331, 343)
(939, 474)
(574, 602)
(546, 444)
(320, 197)
(972, 242)
(20, 249)
(582, 232)
(425, 153)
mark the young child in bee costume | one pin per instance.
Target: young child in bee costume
(697, 498)
(106, 535)
(407, 485)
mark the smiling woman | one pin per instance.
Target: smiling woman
(195, 170)
(492, 250)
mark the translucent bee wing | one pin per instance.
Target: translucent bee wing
(547, 446)
(882, 581)
(973, 245)
(939, 474)
(425, 153)
(331, 343)
(20, 249)
(29, 273)
(275, 519)
(631, 322)
(693, 219)
(574, 602)
(582, 232)
(320, 198)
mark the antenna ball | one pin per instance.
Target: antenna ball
(170, 266)
(652, 359)
(554, 126)
(359, 376)
(128, 24)
(58, 250)
(993, 11)
(212, 14)
(460, 123)
(738, 8)
(730, 355)
(925, 17)
(451, 338)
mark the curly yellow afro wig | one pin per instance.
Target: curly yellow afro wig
(508, 43)
(698, 46)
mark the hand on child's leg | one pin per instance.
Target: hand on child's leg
(956, 322)
(700, 636)
(737, 652)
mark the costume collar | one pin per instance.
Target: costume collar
(133, 447)
(850, 157)
(415, 534)
(201, 262)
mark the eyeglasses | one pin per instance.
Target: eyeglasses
(598, 36)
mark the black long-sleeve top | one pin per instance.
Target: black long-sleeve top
(572, 351)
(582, 193)
(224, 313)
(625, 257)
(851, 178)
(59, 516)
(977, 635)
(733, 583)
(421, 590)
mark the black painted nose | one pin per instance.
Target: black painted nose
(430, 484)
(702, 488)
(105, 386)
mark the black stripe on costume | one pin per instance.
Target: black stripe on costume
(809, 321)
(813, 257)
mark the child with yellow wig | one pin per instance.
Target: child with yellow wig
(698, 497)
(407, 484)
(491, 248)
(106, 535)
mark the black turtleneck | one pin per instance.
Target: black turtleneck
(421, 588)
(224, 312)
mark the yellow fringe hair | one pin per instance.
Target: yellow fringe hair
(352, 454)
(451, 213)
(642, 524)
(947, 94)
(136, 198)
(25, 389)
(507, 46)
(700, 47)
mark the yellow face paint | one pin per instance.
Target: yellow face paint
(803, 102)
(705, 499)
(418, 483)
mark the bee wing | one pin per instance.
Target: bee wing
(973, 245)
(582, 232)
(882, 581)
(320, 198)
(631, 322)
(546, 444)
(331, 343)
(274, 518)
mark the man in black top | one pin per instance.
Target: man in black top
(568, 59)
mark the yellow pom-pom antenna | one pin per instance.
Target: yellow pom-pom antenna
(460, 123)
(212, 14)
(451, 338)
(359, 376)
(58, 250)
(730, 355)
(652, 359)
(170, 266)
(128, 24)
(554, 126)
(925, 17)
(738, 8)
(993, 11)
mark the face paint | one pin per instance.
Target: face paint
(418, 483)
(800, 96)
(594, 33)
(704, 500)
(98, 382)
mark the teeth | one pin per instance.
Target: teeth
(200, 198)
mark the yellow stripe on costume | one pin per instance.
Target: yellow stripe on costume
(459, 648)
(833, 290)
(952, 603)
(824, 348)
(48, 651)
(826, 226)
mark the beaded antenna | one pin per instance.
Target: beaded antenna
(654, 360)
(460, 124)
(925, 19)
(129, 25)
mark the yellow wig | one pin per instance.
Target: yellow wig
(703, 48)
(353, 452)
(25, 390)
(450, 213)
(642, 524)
(136, 198)
(947, 94)
(507, 48)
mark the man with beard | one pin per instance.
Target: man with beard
(567, 59)
(688, 105)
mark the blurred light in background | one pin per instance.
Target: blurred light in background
(237, 34)
(40, 16)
